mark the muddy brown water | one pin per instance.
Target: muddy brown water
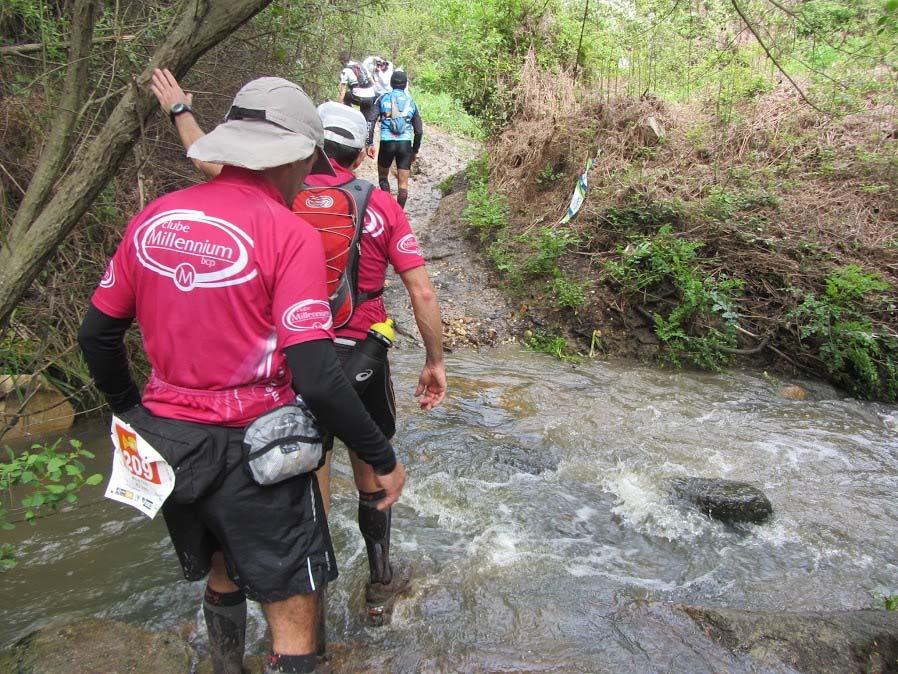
(536, 508)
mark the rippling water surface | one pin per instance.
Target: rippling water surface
(536, 513)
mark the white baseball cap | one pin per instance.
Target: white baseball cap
(272, 122)
(343, 125)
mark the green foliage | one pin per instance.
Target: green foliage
(43, 477)
(568, 294)
(723, 205)
(549, 343)
(702, 323)
(642, 214)
(890, 602)
(858, 357)
(486, 212)
(549, 175)
(548, 245)
(446, 112)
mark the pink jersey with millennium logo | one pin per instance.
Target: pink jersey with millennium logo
(221, 278)
(386, 238)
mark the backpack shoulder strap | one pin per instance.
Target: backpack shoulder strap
(361, 190)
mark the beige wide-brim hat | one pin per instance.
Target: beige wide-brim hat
(271, 123)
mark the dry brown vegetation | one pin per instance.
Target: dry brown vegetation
(779, 195)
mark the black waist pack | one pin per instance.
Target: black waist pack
(190, 449)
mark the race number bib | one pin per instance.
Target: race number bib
(140, 476)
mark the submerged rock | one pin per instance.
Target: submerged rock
(811, 642)
(40, 406)
(793, 392)
(90, 646)
(724, 500)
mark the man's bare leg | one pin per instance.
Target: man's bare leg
(294, 633)
(224, 608)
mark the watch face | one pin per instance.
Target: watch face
(178, 108)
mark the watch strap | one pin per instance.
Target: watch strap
(181, 109)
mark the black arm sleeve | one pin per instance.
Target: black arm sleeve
(418, 127)
(102, 341)
(318, 378)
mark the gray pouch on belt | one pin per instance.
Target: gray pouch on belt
(283, 443)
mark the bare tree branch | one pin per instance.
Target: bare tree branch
(772, 58)
(30, 47)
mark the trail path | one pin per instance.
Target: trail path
(474, 312)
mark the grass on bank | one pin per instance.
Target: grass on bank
(446, 112)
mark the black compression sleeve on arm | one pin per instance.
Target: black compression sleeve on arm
(318, 378)
(418, 127)
(102, 341)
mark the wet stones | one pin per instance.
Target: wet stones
(89, 646)
(793, 392)
(814, 642)
(724, 500)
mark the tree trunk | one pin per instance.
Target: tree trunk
(63, 127)
(202, 25)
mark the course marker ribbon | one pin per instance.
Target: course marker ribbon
(579, 195)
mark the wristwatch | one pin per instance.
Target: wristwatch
(177, 109)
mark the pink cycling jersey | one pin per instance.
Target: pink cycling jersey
(221, 277)
(386, 238)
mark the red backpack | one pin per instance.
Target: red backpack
(338, 213)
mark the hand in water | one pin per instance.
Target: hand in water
(392, 484)
(167, 90)
(431, 386)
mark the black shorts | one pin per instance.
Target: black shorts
(400, 150)
(378, 398)
(274, 539)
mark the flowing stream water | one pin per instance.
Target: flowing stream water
(536, 514)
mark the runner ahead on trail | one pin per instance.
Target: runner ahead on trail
(228, 287)
(401, 131)
(387, 239)
(381, 71)
(357, 88)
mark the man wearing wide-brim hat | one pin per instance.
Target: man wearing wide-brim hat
(228, 287)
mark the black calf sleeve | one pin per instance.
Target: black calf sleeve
(375, 527)
(402, 197)
(225, 614)
(291, 664)
(384, 184)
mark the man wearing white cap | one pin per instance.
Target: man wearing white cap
(387, 240)
(228, 287)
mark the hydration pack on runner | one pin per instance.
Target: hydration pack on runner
(397, 115)
(338, 213)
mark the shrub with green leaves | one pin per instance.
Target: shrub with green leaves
(857, 355)
(486, 213)
(567, 293)
(550, 343)
(701, 325)
(42, 477)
